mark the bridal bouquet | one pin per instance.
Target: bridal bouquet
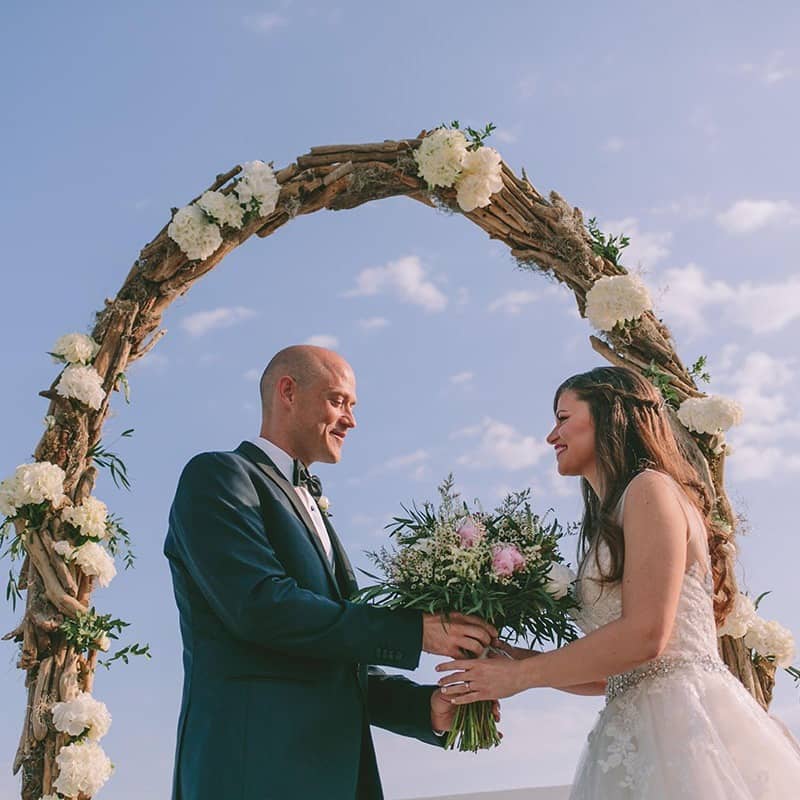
(503, 565)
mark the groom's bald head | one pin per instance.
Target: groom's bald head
(304, 363)
(307, 398)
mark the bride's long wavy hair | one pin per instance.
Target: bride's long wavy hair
(633, 432)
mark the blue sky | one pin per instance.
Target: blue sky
(676, 124)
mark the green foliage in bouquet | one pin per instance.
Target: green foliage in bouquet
(502, 565)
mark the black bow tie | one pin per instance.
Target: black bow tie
(302, 477)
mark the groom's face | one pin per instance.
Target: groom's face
(325, 414)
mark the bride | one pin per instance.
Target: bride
(655, 578)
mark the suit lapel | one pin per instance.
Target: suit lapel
(264, 463)
(348, 583)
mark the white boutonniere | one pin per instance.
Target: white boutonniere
(324, 504)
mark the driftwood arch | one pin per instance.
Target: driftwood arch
(543, 234)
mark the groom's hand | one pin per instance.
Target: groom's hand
(456, 634)
(443, 712)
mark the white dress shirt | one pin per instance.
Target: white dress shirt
(285, 464)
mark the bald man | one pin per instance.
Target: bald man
(278, 699)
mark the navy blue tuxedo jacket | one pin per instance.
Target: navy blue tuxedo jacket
(277, 696)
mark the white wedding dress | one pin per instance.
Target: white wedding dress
(680, 727)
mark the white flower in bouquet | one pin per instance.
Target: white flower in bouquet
(49, 797)
(75, 348)
(82, 713)
(82, 383)
(740, 618)
(712, 414)
(90, 517)
(440, 156)
(481, 177)
(83, 768)
(616, 298)
(224, 208)
(770, 638)
(32, 484)
(559, 580)
(91, 558)
(194, 233)
(258, 182)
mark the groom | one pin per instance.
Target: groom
(277, 697)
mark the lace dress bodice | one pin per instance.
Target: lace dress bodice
(694, 631)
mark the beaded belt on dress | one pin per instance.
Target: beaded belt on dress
(618, 684)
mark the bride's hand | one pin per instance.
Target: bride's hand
(477, 679)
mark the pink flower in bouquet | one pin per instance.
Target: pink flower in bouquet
(506, 560)
(469, 533)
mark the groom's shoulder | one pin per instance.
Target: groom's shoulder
(216, 462)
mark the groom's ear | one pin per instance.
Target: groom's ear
(286, 390)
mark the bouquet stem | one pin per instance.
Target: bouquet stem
(473, 728)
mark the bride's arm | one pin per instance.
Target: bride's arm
(521, 653)
(655, 556)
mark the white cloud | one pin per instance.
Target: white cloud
(748, 216)
(414, 465)
(646, 249)
(614, 144)
(773, 71)
(323, 340)
(373, 323)
(398, 462)
(689, 298)
(500, 446)
(204, 321)
(512, 302)
(765, 444)
(264, 23)
(405, 278)
(462, 377)
(507, 135)
(688, 207)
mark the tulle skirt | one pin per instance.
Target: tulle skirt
(688, 735)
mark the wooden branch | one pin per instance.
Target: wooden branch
(56, 592)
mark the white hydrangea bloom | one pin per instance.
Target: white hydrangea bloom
(91, 558)
(83, 768)
(559, 580)
(481, 177)
(75, 348)
(7, 497)
(616, 298)
(63, 548)
(440, 156)
(258, 182)
(194, 233)
(49, 797)
(770, 638)
(224, 208)
(83, 713)
(89, 517)
(82, 383)
(32, 484)
(712, 414)
(740, 618)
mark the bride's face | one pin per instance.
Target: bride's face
(573, 436)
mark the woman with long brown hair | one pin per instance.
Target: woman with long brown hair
(655, 578)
